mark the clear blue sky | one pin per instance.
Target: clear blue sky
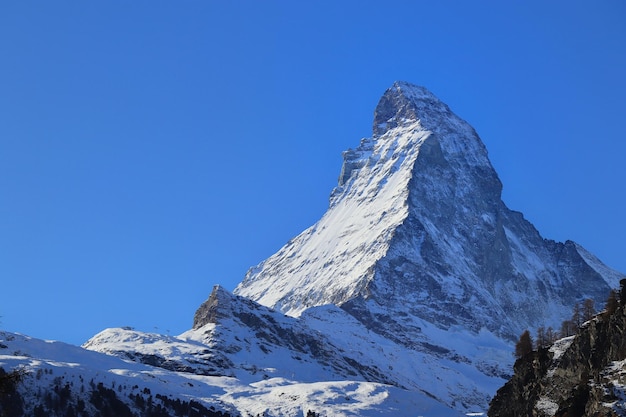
(152, 149)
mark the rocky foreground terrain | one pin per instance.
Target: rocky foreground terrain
(581, 375)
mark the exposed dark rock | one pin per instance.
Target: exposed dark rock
(214, 307)
(396, 107)
(583, 380)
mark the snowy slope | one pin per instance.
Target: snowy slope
(325, 344)
(53, 366)
(241, 339)
(331, 261)
(62, 376)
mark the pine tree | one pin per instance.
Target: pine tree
(551, 336)
(588, 309)
(8, 380)
(612, 302)
(11, 402)
(541, 341)
(568, 328)
(577, 317)
(524, 345)
(622, 291)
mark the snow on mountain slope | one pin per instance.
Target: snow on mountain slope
(254, 343)
(63, 379)
(60, 376)
(325, 344)
(349, 238)
(233, 336)
(453, 380)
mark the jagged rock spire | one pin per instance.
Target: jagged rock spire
(216, 306)
(404, 103)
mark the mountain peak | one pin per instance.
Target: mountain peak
(418, 247)
(406, 103)
(216, 306)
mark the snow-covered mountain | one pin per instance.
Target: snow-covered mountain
(65, 380)
(405, 298)
(417, 225)
(417, 237)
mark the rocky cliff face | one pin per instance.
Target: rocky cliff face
(582, 375)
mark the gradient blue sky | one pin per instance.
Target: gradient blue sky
(152, 149)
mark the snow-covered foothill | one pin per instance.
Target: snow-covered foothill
(49, 365)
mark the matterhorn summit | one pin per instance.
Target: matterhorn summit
(417, 231)
(417, 142)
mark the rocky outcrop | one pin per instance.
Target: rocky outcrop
(214, 308)
(582, 375)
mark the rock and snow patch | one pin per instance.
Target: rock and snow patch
(559, 347)
(547, 406)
